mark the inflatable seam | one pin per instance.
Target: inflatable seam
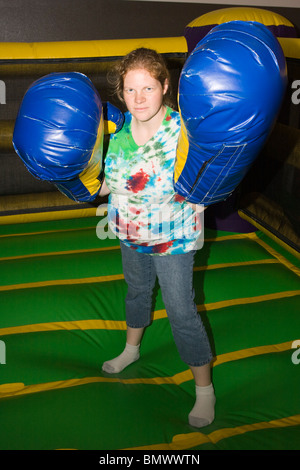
(220, 177)
(240, 148)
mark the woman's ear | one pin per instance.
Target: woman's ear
(166, 86)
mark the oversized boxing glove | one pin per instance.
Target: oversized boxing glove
(230, 92)
(59, 133)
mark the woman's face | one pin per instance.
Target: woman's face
(143, 94)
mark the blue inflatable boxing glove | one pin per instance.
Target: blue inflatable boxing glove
(59, 133)
(230, 92)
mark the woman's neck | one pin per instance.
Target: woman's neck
(143, 131)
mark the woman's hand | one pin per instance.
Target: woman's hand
(104, 189)
(197, 207)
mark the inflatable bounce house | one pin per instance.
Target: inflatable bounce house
(235, 72)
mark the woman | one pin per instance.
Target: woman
(159, 231)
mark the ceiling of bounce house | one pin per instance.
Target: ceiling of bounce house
(62, 287)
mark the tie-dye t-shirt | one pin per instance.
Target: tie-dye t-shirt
(143, 209)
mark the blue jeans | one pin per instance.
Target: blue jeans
(175, 276)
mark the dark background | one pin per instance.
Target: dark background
(78, 20)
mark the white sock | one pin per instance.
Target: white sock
(203, 412)
(129, 355)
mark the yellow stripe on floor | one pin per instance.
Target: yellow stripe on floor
(195, 439)
(62, 282)
(121, 325)
(16, 389)
(59, 253)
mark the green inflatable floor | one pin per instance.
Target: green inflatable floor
(62, 314)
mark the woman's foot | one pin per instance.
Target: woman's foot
(203, 412)
(127, 357)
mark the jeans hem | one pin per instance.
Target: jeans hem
(203, 363)
(137, 326)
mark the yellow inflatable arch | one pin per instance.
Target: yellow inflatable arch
(199, 27)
